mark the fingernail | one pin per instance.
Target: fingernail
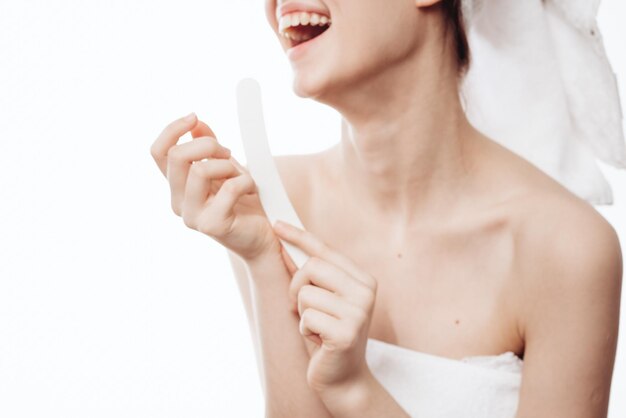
(279, 224)
(190, 117)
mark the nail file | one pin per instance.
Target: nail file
(261, 166)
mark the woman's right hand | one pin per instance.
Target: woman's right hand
(211, 191)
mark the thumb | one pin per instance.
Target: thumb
(202, 129)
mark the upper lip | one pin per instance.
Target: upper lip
(294, 6)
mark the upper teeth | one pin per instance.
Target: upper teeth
(301, 18)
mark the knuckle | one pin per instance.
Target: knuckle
(361, 291)
(248, 181)
(307, 264)
(228, 187)
(306, 270)
(312, 263)
(198, 169)
(351, 336)
(305, 292)
(176, 208)
(210, 144)
(369, 297)
(213, 147)
(300, 297)
(208, 139)
(294, 287)
(304, 316)
(207, 229)
(360, 317)
(213, 143)
(294, 281)
(189, 222)
(175, 154)
(311, 378)
(291, 292)
(372, 283)
(155, 151)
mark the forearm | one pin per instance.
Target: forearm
(366, 398)
(283, 351)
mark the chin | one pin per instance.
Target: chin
(318, 85)
(309, 87)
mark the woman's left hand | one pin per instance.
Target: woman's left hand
(335, 300)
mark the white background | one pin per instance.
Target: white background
(109, 305)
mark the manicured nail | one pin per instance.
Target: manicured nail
(190, 117)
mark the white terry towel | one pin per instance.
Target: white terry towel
(540, 84)
(426, 385)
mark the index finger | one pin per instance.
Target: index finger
(169, 137)
(317, 248)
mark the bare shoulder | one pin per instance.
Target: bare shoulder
(561, 235)
(568, 279)
(564, 241)
(551, 224)
(567, 266)
(299, 174)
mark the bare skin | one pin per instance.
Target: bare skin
(474, 251)
(520, 264)
(455, 284)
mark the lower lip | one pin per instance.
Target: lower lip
(297, 51)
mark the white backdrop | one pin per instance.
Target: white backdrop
(109, 305)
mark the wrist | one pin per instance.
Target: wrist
(349, 397)
(269, 254)
(266, 266)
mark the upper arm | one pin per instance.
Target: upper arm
(243, 282)
(571, 315)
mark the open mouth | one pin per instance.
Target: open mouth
(301, 27)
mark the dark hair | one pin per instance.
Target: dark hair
(453, 14)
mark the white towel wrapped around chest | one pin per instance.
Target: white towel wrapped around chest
(426, 385)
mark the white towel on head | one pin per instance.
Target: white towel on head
(540, 84)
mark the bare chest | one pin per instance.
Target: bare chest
(451, 295)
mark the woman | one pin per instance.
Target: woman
(425, 235)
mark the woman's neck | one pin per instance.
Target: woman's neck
(405, 148)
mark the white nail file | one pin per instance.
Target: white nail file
(272, 194)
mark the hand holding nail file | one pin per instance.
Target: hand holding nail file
(261, 165)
